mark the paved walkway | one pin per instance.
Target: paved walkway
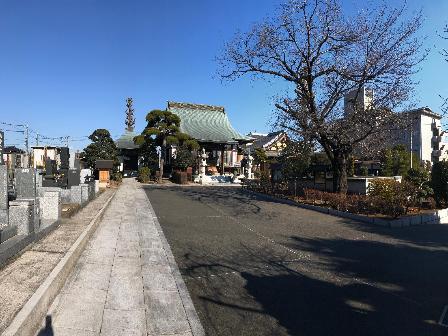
(20, 279)
(126, 282)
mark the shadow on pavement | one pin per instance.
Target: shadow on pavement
(48, 329)
(390, 283)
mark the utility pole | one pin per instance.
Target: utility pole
(66, 140)
(37, 139)
(412, 133)
(27, 145)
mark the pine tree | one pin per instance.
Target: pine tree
(101, 148)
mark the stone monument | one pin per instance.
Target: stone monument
(203, 165)
(25, 182)
(250, 160)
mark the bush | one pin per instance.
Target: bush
(265, 181)
(116, 176)
(439, 182)
(390, 197)
(419, 179)
(184, 159)
(144, 174)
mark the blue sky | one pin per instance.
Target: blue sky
(67, 66)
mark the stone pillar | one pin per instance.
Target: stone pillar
(50, 206)
(203, 163)
(21, 215)
(76, 195)
(3, 196)
(97, 186)
(249, 166)
(84, 193)
(91, 190)
(222, 159)
(25, 182)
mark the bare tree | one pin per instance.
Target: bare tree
(444, 53)
(325, 55)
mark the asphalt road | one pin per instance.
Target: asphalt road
(258, 267)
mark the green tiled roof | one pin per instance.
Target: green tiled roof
(205, 123)
(126, 141)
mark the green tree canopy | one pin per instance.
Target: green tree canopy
(101, 148)
(260, 156)
(295, 159)
(397, 161)
(162, 130)
(439, 182)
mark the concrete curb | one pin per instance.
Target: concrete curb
(190, 311)
(30, 317)
(440, 217)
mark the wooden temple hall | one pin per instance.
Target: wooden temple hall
(211, 128)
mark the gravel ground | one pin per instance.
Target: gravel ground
(258, 267)
(21, 277)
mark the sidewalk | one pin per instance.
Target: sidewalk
(21, 277)
(126, 282)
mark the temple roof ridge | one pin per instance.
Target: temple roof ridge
(205, 107)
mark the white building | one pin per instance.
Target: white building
(426, 137)
(41, 153)
(428, 140)
(357, 100)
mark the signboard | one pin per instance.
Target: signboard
(2, 145)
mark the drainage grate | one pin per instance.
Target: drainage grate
(444, 317)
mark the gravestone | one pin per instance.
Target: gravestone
(3, 196)
(84, 193)
(21, 216)
(91, 190)
(73, 177)
(50, 206)
(25, 182)
(39, 177)
(76, 195)
(65, 158)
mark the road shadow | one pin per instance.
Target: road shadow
(356, 288)
(364, 280)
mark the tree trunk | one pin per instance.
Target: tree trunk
(339, 164)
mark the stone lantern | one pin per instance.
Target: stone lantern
(250, 160)
(203, 164)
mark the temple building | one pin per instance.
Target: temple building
(210, 126)
(272, 143)
(127, 149)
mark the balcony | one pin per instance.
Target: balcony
(433, 126)
(436, 139)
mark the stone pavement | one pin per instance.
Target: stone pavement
(126, 282)
(21, 277)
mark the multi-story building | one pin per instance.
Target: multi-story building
(359, 100)
(424, 136)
